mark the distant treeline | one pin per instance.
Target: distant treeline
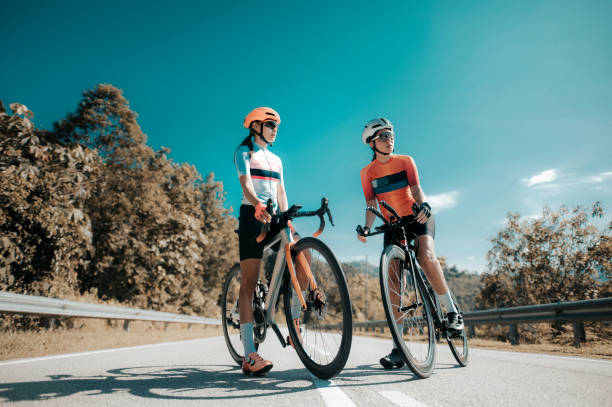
(88, 208)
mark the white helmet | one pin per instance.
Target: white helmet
(373, 126)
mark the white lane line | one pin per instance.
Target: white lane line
(401, 399)
(331, 393)
(96, 352)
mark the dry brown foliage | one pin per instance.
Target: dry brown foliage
(90, 208)
(560, 256)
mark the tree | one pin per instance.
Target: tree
(559, 256)
(90, 207)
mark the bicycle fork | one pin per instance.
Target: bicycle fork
(303, 263)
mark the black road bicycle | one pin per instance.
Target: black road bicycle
(412, 308)
(323, 340)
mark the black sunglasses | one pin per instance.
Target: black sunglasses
(271, 124)
(385, 136)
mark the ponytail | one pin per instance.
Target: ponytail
(248, 141)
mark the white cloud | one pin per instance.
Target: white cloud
(599, 178)
(541, 178)
(444, 201)
(471, 258)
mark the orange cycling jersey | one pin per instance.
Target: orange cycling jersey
(391, 182)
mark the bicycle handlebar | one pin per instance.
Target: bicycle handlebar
(294, 212)
(395, 222)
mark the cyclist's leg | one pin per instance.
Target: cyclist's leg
(250, 259)
(427, 259)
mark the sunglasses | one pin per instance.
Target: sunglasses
(271, 124)
(385, 136)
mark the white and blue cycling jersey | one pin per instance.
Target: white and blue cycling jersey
(265, 169)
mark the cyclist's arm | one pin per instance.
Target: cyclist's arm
(418, 194)
(370, 217)
(249, 190)
(281, 196)
(242, 158)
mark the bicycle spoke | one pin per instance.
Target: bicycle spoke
(322, 345)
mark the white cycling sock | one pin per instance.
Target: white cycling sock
(447, 301)
(246, 335)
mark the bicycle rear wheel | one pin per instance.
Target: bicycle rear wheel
(323, 341)
(408, 310)
(458, 343)
(230, 314)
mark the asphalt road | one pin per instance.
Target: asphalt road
(200, 372)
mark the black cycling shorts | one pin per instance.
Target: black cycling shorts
(419, 229)
(248, 230)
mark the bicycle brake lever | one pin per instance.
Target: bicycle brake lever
(321, 226)
(331, 220)
(265, 228)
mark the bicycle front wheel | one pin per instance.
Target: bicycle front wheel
(230, 314)
(321, 334)
(408, 311)
(458, 343)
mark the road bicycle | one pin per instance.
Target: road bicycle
(323, 339)
(412, 308)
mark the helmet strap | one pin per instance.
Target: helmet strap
(377, 150)
(260, 134)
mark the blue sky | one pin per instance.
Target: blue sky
(505, 106)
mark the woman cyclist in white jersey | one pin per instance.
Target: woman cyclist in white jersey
(261, 177)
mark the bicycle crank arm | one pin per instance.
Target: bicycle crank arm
(279, 335)
(411, 307)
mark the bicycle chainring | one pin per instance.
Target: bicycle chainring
(259, 324)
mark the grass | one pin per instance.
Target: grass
(96, 334)
(593, 348)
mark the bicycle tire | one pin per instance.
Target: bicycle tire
(324, 344)
(418, 325)
(230, 314)
(458, 344)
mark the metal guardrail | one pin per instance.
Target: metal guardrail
(30, 304)
(574, 311)
(587, 310)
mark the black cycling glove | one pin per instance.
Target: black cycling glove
(426, 209)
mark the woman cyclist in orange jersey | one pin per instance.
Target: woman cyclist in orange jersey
(261, 177)
(395, 179)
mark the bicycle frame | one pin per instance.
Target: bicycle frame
(276, 280)
(419, 278)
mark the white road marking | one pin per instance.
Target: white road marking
(332, 394)
(401, 399)
(541, 355)
(94, 352)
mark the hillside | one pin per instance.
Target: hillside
(464, 284)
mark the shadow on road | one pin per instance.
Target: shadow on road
(192, 382)
(162, 382)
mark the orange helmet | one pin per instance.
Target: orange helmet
(261, 114)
